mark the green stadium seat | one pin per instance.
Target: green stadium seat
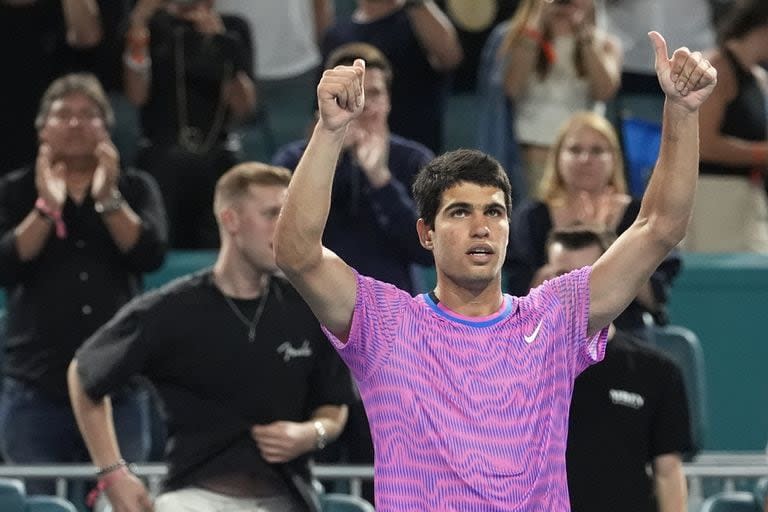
(683, 346)
(337, 502)
(731, 501)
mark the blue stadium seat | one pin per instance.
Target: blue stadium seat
(48, 504)
(731, 501)
(640, 140)
(336, 502)
(12, 493)
(683, 346)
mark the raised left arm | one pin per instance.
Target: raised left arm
(687, 80)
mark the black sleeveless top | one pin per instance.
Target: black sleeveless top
(745, 116)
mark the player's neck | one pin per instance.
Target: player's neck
(470, 302)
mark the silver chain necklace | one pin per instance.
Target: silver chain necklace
(253, 322)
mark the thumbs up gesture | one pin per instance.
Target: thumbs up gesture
(340, 95)
(687, 78)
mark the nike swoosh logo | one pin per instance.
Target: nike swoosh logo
(529, 339)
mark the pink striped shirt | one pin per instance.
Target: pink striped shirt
(470, 414)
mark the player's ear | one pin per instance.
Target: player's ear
(425, 234)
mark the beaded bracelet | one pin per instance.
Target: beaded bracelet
(107, 476)
(112, 467)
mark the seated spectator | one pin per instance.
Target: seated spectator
(422, 46)
(249, 384)
(731, 210)
(628, 411)
(76, 234)
(557, 62)
(191, 75)
(583, 184)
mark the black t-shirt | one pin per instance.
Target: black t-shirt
(626, 410)
(75, 284)
(188, 70)
(214, 383)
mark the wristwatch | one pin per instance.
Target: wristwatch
(321, 435)
(111, 204)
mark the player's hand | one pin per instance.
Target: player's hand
(687, 79)
(340, 95)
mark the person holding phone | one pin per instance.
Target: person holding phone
(189, 72)
(76, 233)
(556, 61)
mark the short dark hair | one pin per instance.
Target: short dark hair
(449, 169)
(741, 17)
(346, 54)
(82, 83)
(581, 236)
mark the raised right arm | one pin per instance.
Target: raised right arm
(327, 284)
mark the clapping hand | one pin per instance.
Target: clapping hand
(50, 179)
(107, 170)
(604, 211)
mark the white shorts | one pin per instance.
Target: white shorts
(194, 499)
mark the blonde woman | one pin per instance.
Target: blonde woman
(558, 62)
(583, 184)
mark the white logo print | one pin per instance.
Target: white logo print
(529, 339)
(626, 398)
(289, 351)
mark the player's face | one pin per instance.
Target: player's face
(257, 216)
(469, 238)
(564, 260)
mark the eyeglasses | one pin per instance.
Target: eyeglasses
(83, 116)
(591, 151)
